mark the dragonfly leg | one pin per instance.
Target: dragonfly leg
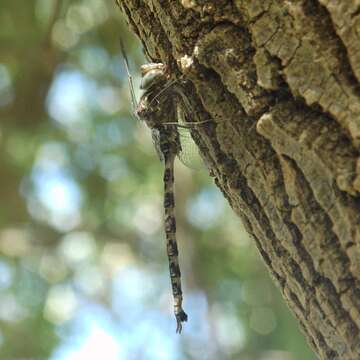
(189, 125)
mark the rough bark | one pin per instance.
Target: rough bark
(280, 83)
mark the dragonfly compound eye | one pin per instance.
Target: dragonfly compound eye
(151, 78)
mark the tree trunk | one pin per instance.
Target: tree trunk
(280, 83)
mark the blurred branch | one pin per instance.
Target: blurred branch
(54, 16)
(33, 76)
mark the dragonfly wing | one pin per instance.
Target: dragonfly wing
(189, 154)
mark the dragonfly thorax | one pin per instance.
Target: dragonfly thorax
(153, 104)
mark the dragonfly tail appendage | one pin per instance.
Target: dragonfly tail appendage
(180, 314)
(172, 249)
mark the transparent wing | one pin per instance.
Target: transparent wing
(131, 85)
(189, 154)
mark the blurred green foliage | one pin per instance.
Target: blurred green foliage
(83, 269)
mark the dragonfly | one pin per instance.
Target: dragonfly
(164, 99)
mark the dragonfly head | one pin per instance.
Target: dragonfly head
(152, 74)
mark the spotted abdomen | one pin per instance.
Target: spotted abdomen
(171, 243)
